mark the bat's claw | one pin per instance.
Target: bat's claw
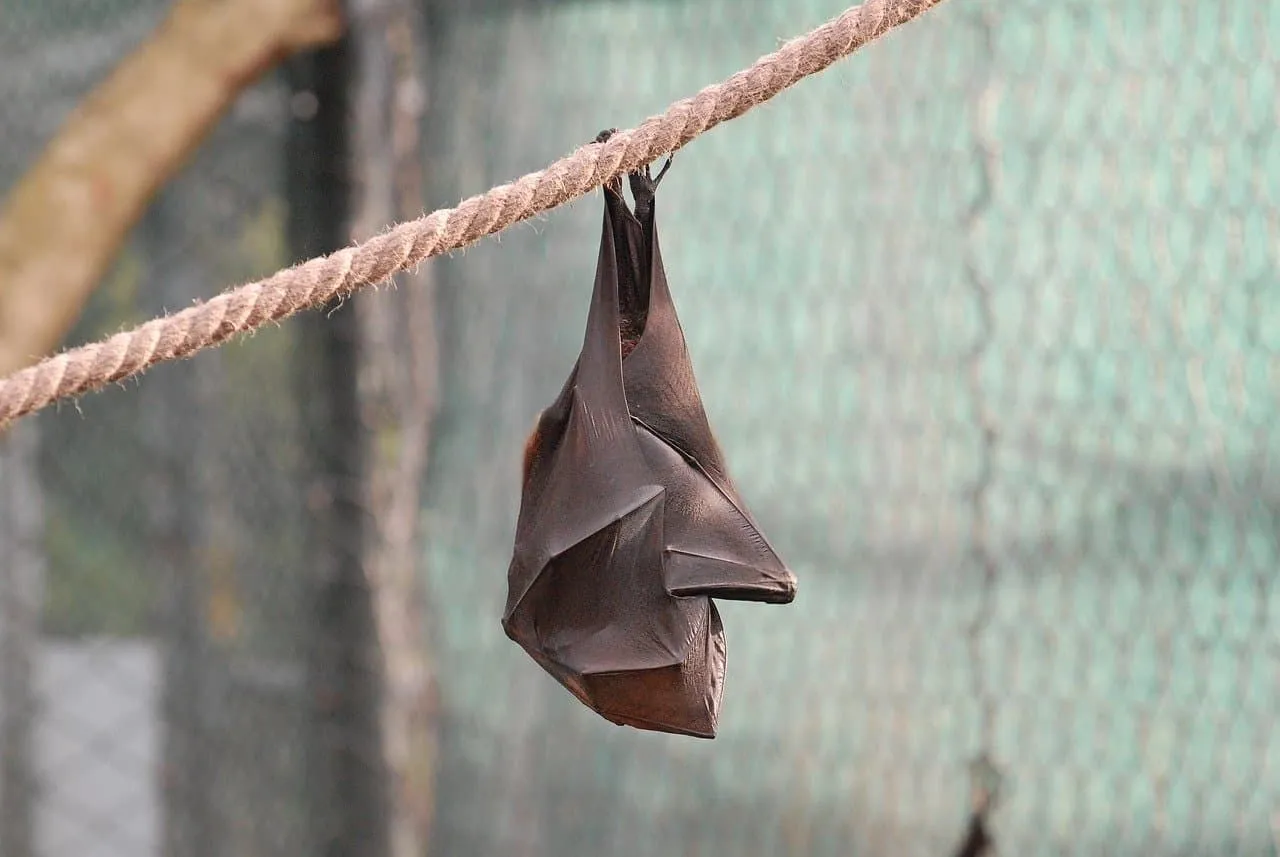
(643, 181)
(662, 172)
(614, 184)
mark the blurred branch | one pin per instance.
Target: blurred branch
(66, 218)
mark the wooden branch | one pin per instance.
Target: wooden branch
(65, 220)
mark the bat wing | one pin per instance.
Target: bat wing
(608, 631)
(586, 594)
(713, 545)
(683, 699)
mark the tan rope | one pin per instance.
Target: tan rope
(316, 281)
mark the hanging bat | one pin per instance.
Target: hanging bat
(629, 523)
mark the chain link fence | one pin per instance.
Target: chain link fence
(167, 692)
(986, 324)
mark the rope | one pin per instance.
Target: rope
(342, 273)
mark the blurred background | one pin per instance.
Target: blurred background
(986, 321)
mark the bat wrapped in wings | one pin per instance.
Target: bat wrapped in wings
(629, 523)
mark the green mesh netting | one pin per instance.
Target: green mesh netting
(162, 497)
(985, 323)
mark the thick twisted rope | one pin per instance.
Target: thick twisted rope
(316, 281)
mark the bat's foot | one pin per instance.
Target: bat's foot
(662, 172)
(644, 187)
(644, 184)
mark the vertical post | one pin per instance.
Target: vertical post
(22, 569)
(398, 398)
(346, 766)
(173, 427)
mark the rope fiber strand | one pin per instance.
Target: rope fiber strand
(344, 272)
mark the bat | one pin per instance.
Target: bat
(629, 523)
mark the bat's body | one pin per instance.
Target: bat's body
(629, 523)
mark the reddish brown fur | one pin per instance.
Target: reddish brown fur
(530, 447)
(630, 338)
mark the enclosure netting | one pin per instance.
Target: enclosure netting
(986, 322)
(169, 685)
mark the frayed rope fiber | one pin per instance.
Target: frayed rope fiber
(316, 281)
